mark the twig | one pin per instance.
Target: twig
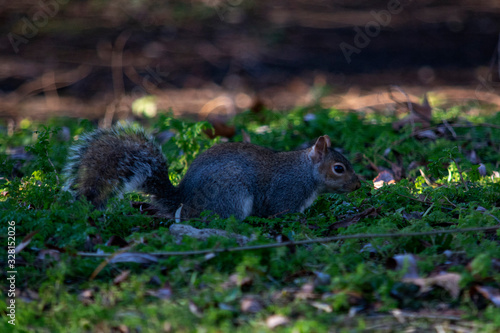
(108, 259)
(53, 166)
(427, 180)
(60, 80)
(408, 104)
(372, 164)
(447, 125)
(408, 101)
(308, 241)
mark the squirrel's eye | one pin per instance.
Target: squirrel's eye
(338, 168)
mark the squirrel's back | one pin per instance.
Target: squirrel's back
(239, 179)
(245, 179)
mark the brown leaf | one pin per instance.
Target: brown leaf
(385, 177)
(424, 110)
(236, 281)
(122, 328)
(121, 277)
(307, 292)
(421, 114)
(220, 129)
(447, 281)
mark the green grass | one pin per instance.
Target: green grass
(352, 287)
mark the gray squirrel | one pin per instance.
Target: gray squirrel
(239, 179)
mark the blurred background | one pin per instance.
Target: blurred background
(104, 59)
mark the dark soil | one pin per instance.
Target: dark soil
(85, 58)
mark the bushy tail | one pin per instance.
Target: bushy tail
(110, 162)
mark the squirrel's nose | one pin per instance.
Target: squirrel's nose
(358, 184)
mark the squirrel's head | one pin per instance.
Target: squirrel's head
(334, 170)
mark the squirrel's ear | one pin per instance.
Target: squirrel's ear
(320, 148)
(328, 141)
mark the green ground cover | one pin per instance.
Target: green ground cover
(384, 284)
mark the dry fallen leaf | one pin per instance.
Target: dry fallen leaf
(121, 277)
(447, 281)
(236, 281)
(322, 306)
(276, 320)
(120, 329)
(86, 296)
(220, 129)
(421, 114)
(385, 177)
(306, 292)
